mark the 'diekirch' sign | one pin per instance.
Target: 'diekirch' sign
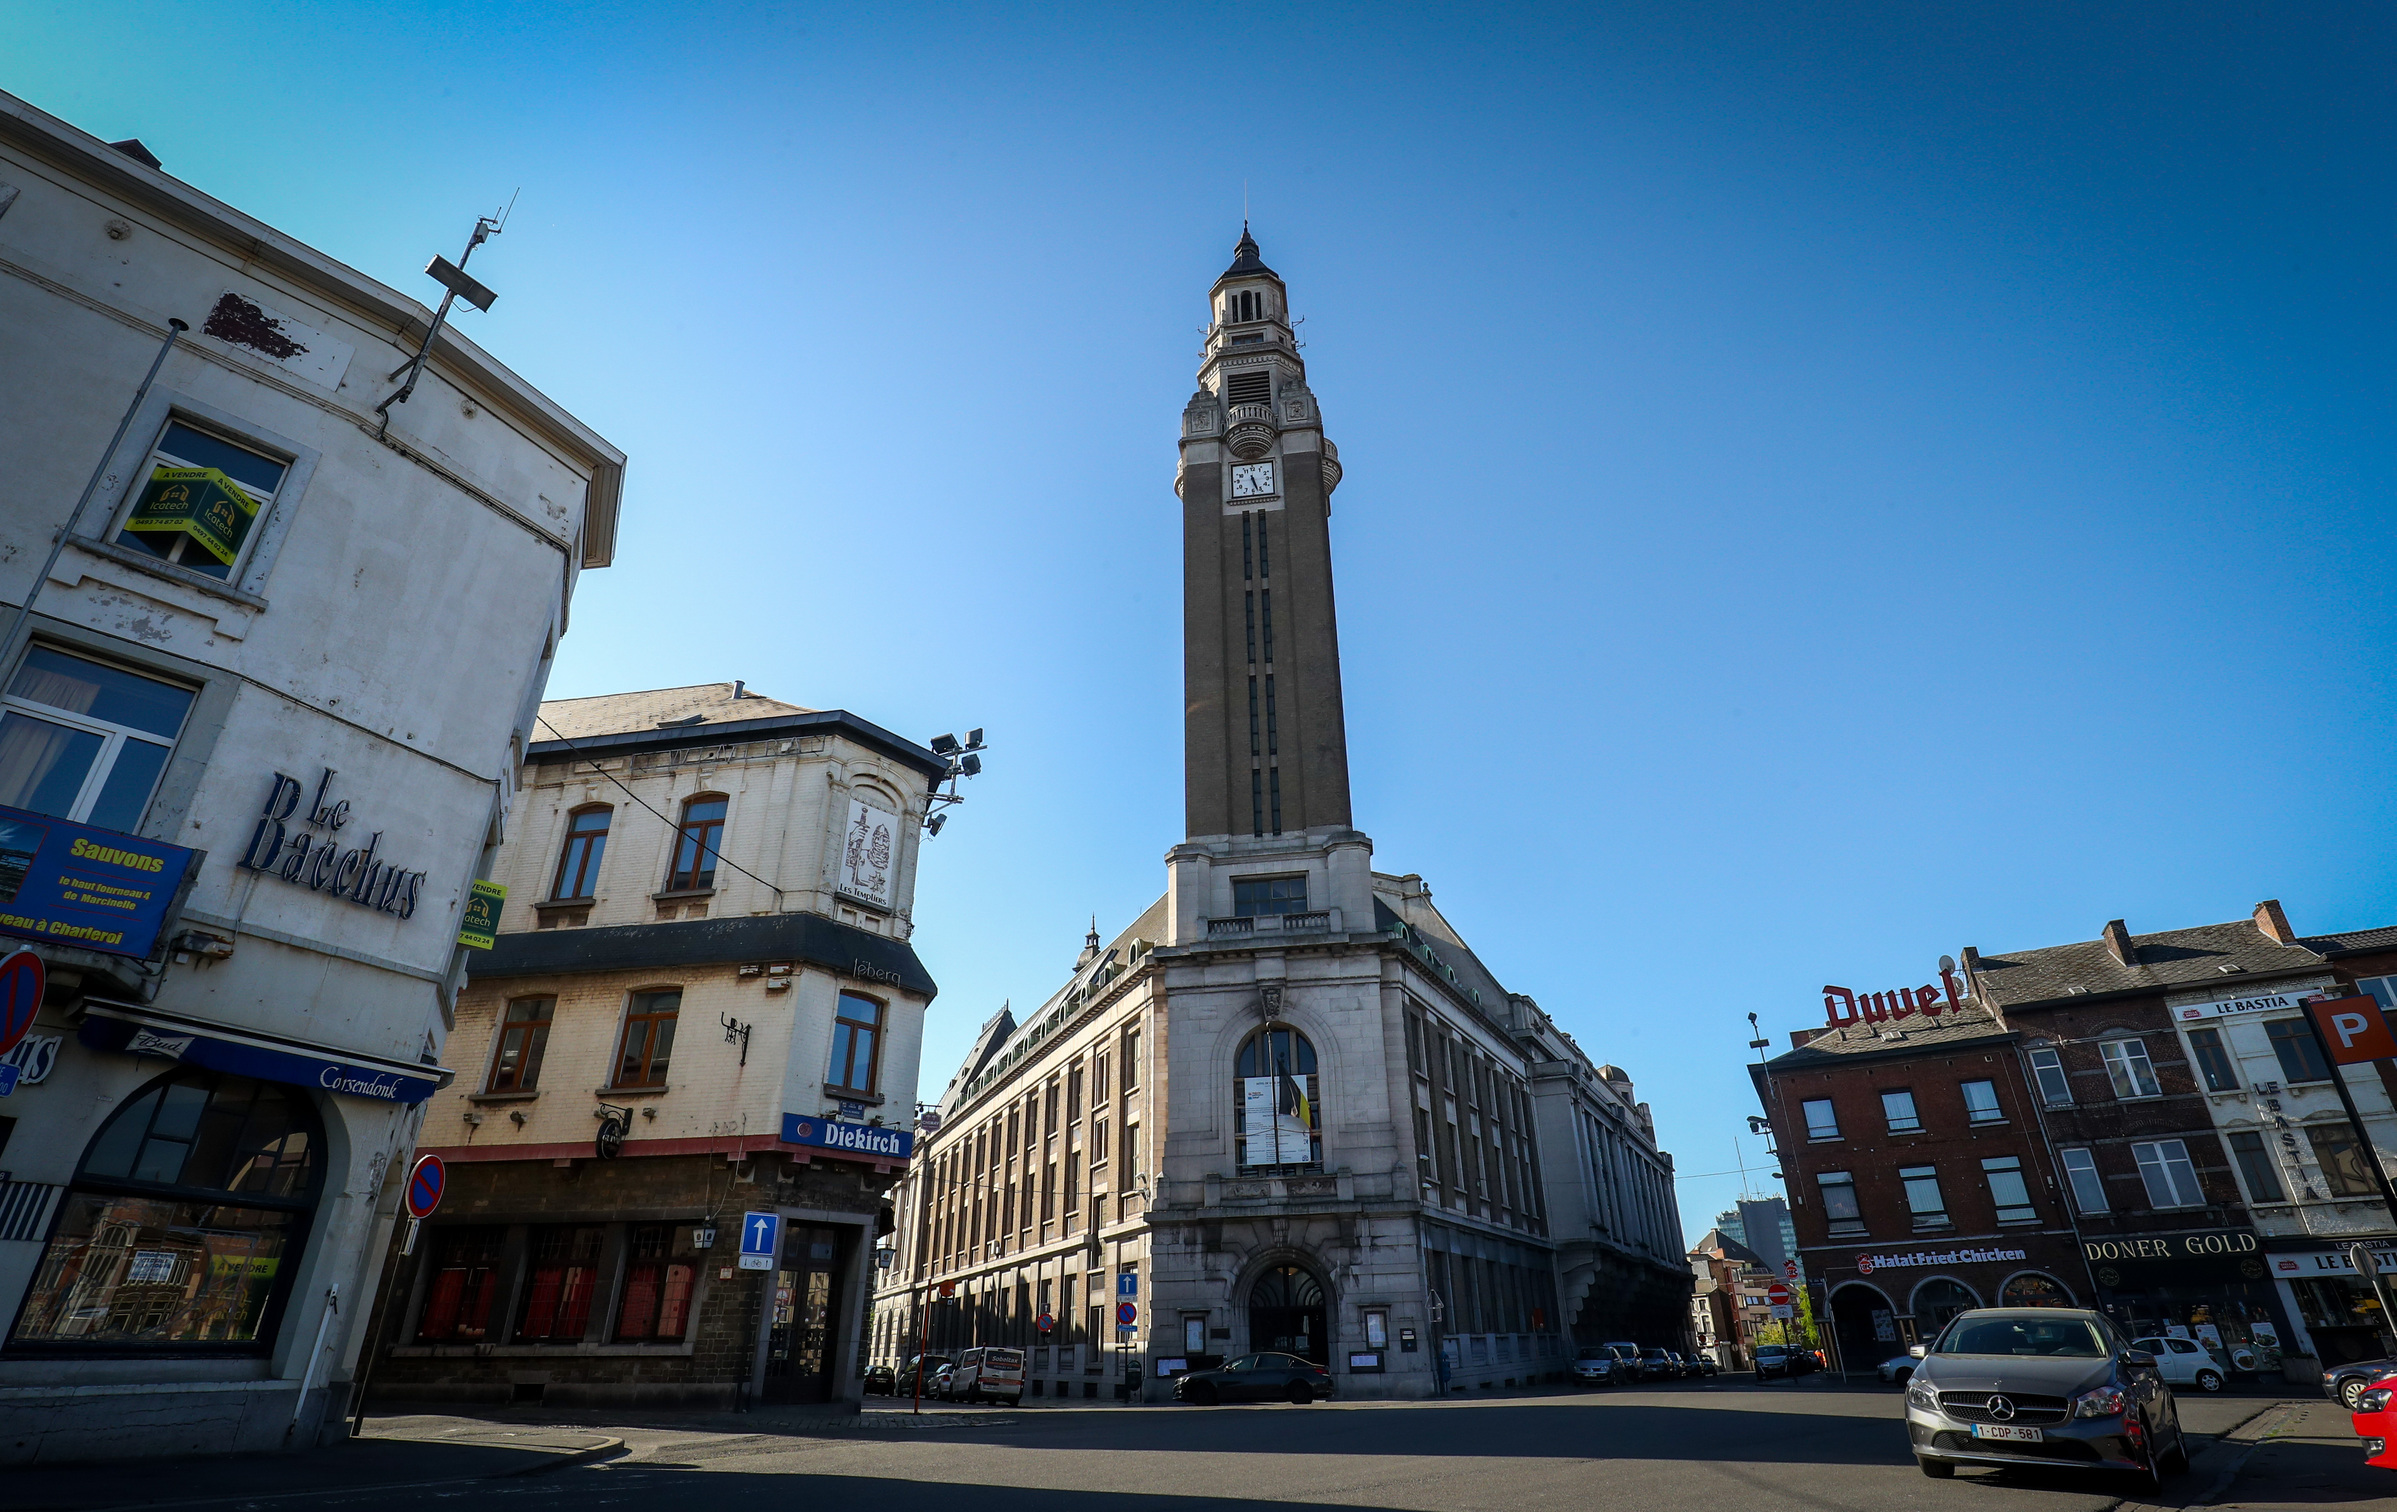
(199, 502)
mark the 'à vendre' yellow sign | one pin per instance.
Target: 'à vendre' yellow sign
(201, 503)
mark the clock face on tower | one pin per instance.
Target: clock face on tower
(1252, 480)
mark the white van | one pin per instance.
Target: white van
(988, 1373)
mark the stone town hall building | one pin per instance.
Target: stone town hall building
(1287, 1101)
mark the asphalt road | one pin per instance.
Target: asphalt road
(1718, 1444)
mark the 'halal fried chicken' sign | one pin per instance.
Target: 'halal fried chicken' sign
(1841, 1006)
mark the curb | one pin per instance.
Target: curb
(613, 1448)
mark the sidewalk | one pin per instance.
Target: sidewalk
(2302, 1455)
(404, 1451)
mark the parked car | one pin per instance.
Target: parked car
(1627, 1358)
(2375, 1420)
(1256, 1378)
(1897, 1369)
(931, 1364)
(1703, 1364)
(1659, 1364)
(881, 1380)
(1597, 1365)
(2183, 1362)
(2042, 1386)
(936, 1384)
(988, 1372)
(2346, 1384)
(1774, 1360)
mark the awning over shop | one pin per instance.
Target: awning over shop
(135, 1030)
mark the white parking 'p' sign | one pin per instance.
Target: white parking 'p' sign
(760, 1237)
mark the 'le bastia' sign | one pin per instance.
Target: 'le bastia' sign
(307, 851)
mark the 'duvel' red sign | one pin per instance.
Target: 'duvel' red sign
(1841, 1006)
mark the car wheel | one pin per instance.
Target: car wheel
(2144, 1479)
(1902, 1377)
(2209, 1380)
(1300, 1395)
(1937, 1469)
(1200, 1395)
(2351, 1394)
(2177, 1462)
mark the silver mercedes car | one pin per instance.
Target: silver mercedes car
(2052, 1386)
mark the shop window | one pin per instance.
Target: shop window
(696, 841)
(193, 520)
(183, 1228)
(1839, 1204)
(2300, 1057)
(2030, 1289)
(656, 1303)
(2171, 1179)
(2213, 1060)
(523, 1035)
(559, 1279)
(1898, 1108)
(856, 1044)
(2128, 1069)
(85, 740)
(1821, 1121)
(1981, 1103)
(2008, 1190)
(648, 1044)
(1923, 1197)
(461, 1284)
(586, 843)
(2088, 1188)
(2382, 990)
(2047, 1069)
(2345, 1164)
(2257, 1169)
(1277, 1117)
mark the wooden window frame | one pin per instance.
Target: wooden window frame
(633, 1014)
(587, 872)
(877, 1029)
(709, 845)
(536, 1032)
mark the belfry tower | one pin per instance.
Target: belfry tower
(1265, 743)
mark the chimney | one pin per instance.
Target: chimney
(133, 149)
(2118, 941)
(2274, 923)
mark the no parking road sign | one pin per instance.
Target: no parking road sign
(1126, 1314)
(22, 979)
(426, 1182)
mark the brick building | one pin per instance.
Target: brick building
(702, 1004)
(1917, 1180)
(1730, 1305)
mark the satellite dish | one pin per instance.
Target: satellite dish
(1947, 963)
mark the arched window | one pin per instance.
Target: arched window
(2031, 1289)
(586, 842)
(695, 843)
(183, 1229)
(1936, 1301)
(1277, 1114)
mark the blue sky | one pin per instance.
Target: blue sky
(1821, 490)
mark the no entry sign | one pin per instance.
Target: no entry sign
(22, 979)
(426, 1181)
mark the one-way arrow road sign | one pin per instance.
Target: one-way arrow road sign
(759, 1233)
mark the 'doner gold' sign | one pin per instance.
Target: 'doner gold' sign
(200, 502)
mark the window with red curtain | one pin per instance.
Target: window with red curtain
(558, 1284)
(657, 1287)
(463, 1285)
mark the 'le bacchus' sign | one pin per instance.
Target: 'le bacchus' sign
(308, 852)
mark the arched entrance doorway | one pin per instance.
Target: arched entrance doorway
(1866, 1325)
(1936, 1301)
(1286, 1312)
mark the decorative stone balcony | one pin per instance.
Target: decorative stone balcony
(1252, 432)
(1317, 921)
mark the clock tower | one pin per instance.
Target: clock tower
(1265, 743)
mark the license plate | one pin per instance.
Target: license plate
(2007, 1431)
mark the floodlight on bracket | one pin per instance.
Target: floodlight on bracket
(964, 760)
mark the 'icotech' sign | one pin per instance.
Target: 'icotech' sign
(850, 1138)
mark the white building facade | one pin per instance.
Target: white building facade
(260, 735)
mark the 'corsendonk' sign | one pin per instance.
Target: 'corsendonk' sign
(1867, 1264)
(860, 1139)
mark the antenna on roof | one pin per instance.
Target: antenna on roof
(453, 277)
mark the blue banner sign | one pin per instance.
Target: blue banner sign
(860, 1139)
(301, 1065)
(70, 884)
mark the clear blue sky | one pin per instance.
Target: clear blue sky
(1821, 492)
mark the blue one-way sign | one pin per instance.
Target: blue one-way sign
(760, 1233)
(1127, 1284)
